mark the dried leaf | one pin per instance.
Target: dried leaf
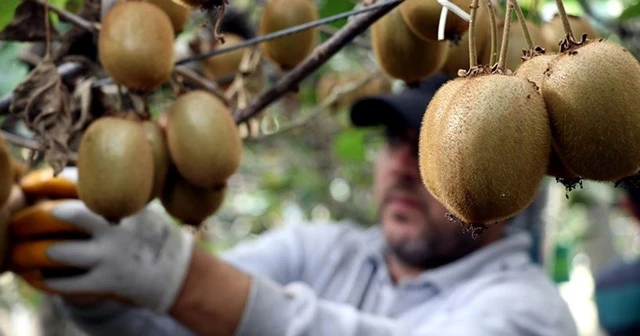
(28, 24)
(44, 103)
(79, 41)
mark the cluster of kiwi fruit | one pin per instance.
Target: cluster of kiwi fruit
(490, 136)
(125, 162)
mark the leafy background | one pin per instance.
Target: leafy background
(322, 171)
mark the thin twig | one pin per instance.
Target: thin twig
(505, 38)
(333, 97)
(319, 56)
(473, 54)
(523, 24)
(195, 79)
(71, 18)
(47, 30)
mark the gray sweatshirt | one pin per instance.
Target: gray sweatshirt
(331, 279)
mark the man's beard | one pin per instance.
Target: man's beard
(427, 252)
(432, 248)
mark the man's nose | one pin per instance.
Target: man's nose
(406, 161)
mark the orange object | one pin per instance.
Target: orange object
(42, 184)
(30, 255)
(37, 221)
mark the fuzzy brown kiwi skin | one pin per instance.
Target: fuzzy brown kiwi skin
(533, 69)
(486, 179)
(135, 45)
(115, 167)
(403, 55)
(423, 18)
(430, 135)
(188, 203)
(204, 142)
(290, 50)
(592, 96)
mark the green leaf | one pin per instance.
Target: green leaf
(7, 8)
(631, 12)
(349, 145)
(333, 7)
(11, 69)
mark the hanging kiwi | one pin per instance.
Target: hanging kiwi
(135, 45)
(157, 139)
(115, 167)
(553, 30)
(277, 15)
(188, 203)
(595, 119)
(178, 14)
(423, 18)
(486, 147)
(403, 55)
(227, 64)
(204, 143)
(536, 61)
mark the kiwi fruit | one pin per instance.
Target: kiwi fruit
(115, 167)
(553, 31)
(157, 140)
(204, 143)
(277, 15)
(226, 64)
(135, 45)
(188, 203)
(334, 81)
(403, 55)
(6, 171)
(480, 172)
(18, 168)
(430, 131)
(178, 14)
(591, 91)
(423, 18)
(533, 69)
(329, 82)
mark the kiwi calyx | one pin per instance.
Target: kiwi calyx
(475, 229)
(477, 70)
(528, 54)
(568, 44)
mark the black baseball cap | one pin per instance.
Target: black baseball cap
(404, 108)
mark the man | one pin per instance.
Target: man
(416, 273)
(617, 291)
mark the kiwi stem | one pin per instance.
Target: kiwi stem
(47, 29)
(494, 31)
(565, 19)
(523, 23)
(473, 54)
(505, 38)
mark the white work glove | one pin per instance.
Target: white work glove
(143, 259)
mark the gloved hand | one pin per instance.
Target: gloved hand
(142, 260)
